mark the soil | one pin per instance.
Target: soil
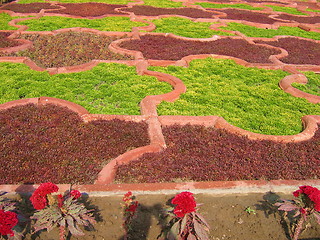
(154, 11)
(300, 19)
(88, 9)
(69, 49)
(51, 143)
(250, 16)
(198, 153)
(300, 51)
(28, 7)
(226, 215)
(169, 48)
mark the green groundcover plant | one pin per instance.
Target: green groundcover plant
(249, 98)
(186, 28)
(108, 88)
(313, 85)
(252, 31)
(163, 3)
(224, 5)
(50, 23)
(289, 10)
(5, 18)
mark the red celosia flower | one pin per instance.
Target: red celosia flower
(47, 188)
(133, 207)
(75, 194)
(185, 204)
(39, 196)
(7, 221)
(312, 193)
(127, 197)
(38, 201)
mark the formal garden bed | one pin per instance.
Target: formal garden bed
(250, 16)
(300, 51)
(89, 9)
(41, 143)
(153, 11)
(69, 49)
(5, 42)
(52, 143)
(162, 47)
(29, 7)
(197, 153)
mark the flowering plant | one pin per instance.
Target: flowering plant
(63, 211)
(130, 208)
(307, 204)
(8, 218)
(187, 223)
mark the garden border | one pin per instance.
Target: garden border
(103, 186)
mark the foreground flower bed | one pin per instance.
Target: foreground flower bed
(51, 143)
(251, 216)
(197, 153)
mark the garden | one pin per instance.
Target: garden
(106, 105)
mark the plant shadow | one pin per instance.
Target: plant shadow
(267, 205)
(141, 224)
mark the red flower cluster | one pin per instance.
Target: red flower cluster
(75, 194)
(7, 221)
(39, 196)
(130, 205)
(312, 193)
(127, 197)
(185, 204)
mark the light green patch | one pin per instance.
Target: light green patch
(49, 23)
(186, 28)
(5, 18)
(163, 3)
(312, 10)
(289, 10)
(251, 31)
(106, 89)
(222, 5)
(248, 98)
(313, 85)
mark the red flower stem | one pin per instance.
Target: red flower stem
(62, 232)
(298, 229)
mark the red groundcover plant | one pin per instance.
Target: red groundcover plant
(129, 212)
(307, 204)
(63, 211)
(187, 223)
